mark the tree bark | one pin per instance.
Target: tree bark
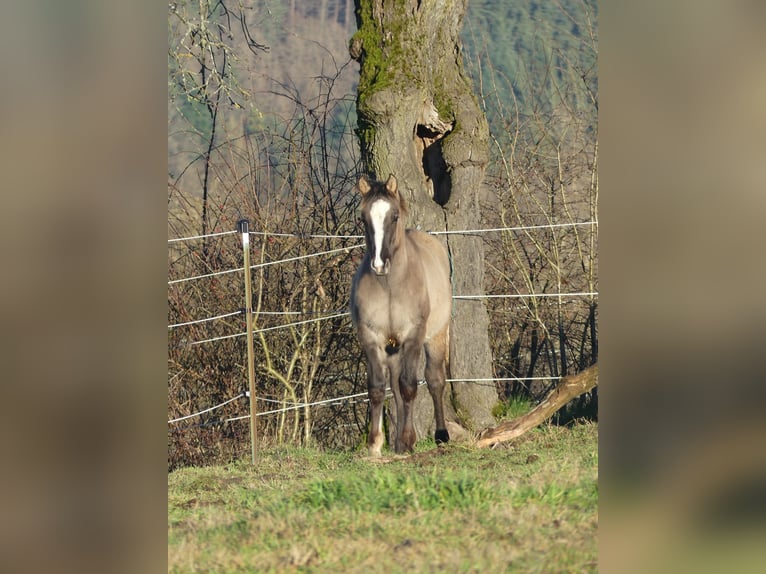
(419, 120)
(567, 389)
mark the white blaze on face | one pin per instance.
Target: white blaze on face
(378, 211)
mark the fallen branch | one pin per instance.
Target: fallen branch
(567, 389)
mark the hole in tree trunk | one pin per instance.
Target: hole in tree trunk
(434, 166)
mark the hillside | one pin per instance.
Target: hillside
(526, 56)
(545, 51)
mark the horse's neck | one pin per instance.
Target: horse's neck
(401, 266)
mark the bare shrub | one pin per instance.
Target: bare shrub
(292, 181)
(544, 174)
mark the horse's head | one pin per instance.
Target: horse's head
(382, 212)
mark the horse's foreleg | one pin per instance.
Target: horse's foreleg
(408, 387)
(436, 377)
(376, 391)
(397, 416)
(376, 438)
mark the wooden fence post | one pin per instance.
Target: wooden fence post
(243, 228)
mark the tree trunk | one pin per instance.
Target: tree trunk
(419, 120)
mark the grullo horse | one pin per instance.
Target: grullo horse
(401, 303)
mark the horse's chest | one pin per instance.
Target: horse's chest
(395, 316)
(404, 316)
(406, 311)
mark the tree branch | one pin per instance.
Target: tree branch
(567, 389)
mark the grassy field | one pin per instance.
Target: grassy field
(531, 506)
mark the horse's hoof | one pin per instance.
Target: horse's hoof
(373, 452)
(441, 436)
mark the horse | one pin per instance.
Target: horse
(401, 305)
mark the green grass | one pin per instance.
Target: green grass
(527, 507)
(512, 408)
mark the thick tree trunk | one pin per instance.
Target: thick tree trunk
(569, 388)
(419, 120)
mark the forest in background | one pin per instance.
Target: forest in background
(526, 55)
(261, 120)
(526, 58)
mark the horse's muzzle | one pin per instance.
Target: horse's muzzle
(381, 269)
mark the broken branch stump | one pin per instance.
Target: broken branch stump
(568, 388)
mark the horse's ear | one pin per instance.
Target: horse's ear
(391, 185)
(363, 186)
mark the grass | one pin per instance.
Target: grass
(528, 507)
(512, 408)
